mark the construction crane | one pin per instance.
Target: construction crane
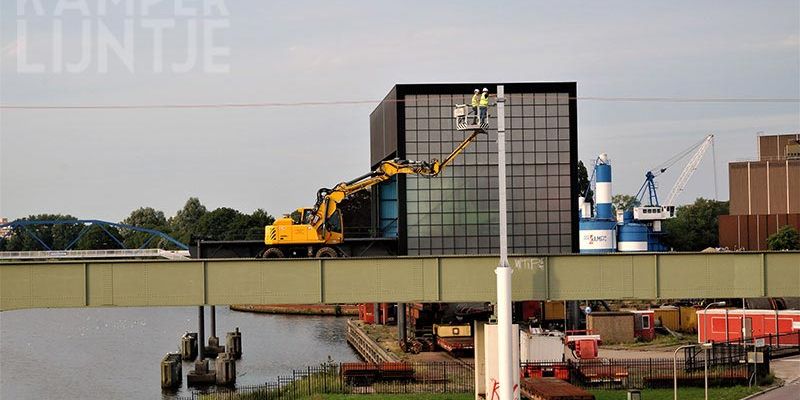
(318, 230)
(654, 211)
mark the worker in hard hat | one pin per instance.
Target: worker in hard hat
(483, 105)
(476, 98)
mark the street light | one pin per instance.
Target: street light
(706, 345)
(675, 369)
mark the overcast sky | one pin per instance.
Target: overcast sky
(104, 163)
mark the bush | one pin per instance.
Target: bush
(786, 238)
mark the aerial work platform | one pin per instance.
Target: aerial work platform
(466, 120)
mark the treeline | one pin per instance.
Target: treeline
(189, 224)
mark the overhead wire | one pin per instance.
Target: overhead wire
(658, 169)
(373, 101)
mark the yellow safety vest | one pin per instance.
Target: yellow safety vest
(485, 100)
(475, 100)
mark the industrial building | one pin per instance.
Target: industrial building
(457, 212)
(764, 194)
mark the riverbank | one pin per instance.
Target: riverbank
(385, 338)
(299, 309)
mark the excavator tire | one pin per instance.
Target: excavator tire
(273, 252)
(327, 252)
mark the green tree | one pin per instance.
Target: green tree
(786, 238)
(184, 224)
(223, 224)
(695, 226)
(258, 220)
(584, 186)
(624, 202)
(145, 217)
(96, 238)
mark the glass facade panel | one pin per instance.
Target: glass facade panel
(456, 213)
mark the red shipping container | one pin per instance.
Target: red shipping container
(720, 325)
(643, 324)
(366, 313)
(530, 309)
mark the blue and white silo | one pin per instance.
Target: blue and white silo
(633, 237)
(603, 187)
(599, 234)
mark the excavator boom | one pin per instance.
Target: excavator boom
(385, 171)
(322, 224)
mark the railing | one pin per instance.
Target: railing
(365, 346)
(458, 377)
(780, 345)
(355, 378)
(634, 373)
(110, 253)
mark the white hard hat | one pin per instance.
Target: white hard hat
(485, 89)
(476, 90)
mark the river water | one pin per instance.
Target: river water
(115, 353)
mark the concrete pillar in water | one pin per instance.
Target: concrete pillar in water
(201, 331)
(234, 344)
(200, 375)
(171, 371)
(189, 346)
(213, 347)
(213, 321)
(401, 322)
(225, 369)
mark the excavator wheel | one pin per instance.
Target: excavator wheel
(273, 252)
(327, 252)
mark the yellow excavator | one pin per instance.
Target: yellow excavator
(317, 231)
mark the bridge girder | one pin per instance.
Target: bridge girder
(401, 279)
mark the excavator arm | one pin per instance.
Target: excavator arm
(329, 199)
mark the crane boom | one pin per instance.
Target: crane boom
(688, 171)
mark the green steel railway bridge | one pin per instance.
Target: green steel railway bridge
(115, 283)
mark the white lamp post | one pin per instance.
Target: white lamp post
(706, 345)
(505, 348)
(675, 369)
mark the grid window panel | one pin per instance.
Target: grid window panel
(456, 213)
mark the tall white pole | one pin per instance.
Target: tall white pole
(505, 340)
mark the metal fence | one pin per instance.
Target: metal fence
(726, 367)
(780, 345)
(636, 373)
(396, 377)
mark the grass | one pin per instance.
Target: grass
(721, 393)
(421, 396)
(717, 393)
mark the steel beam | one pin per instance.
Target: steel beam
(401, 279)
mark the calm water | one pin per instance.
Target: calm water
(114, 353)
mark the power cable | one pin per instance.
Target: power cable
(359, 102)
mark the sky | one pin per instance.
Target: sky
(103, 163)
